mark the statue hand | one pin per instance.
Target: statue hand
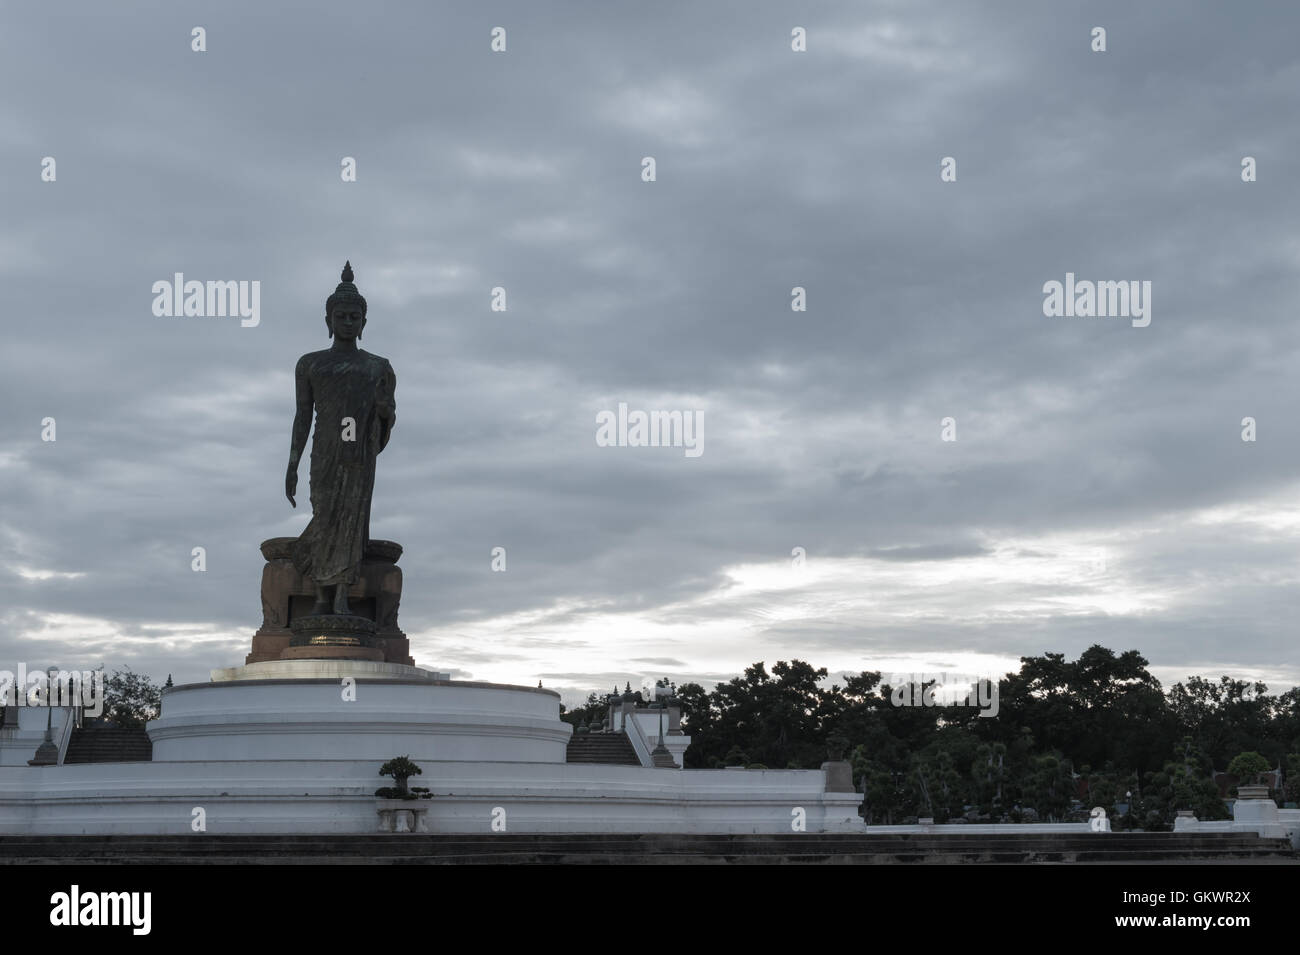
(291, 484)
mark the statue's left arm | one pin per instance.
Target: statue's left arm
(387, 405)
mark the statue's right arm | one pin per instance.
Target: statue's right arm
(301, 428)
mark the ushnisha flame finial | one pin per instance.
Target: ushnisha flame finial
(345, 292)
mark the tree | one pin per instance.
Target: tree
(1102, 791)
(1248, 768)
(777, 719)
(593, 711)
(1050, 788)
(988, 775)
(884, 796)
(1103, 709)
(1291, 789)
(131, 699)
(1227, 717)
(942, 789)
(401, 768)
(1099, 707)
(1193, 785)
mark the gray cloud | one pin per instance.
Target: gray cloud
(775, 169)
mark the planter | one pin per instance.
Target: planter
(402, 815)
(1252, 792)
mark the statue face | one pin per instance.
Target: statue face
(346, 322)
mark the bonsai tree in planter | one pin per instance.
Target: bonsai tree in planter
(401, 768)
(1249, 768)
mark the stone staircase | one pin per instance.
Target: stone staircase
(611, 749)
(439, 848)
(108, 744)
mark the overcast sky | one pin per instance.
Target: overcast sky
(1098, 490)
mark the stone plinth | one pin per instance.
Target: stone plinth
(839, 776)
(332, 637)
(288, 595)
(1254, 808)
(402, 815)
(314, 652)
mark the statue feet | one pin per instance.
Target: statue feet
(322, 604)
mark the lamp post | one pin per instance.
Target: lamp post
(47, 754)
(660, 757)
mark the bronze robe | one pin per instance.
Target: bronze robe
(360, 386)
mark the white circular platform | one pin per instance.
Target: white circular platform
(355, 710)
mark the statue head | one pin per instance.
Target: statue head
(345, 310)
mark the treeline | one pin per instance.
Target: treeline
(1067, 735)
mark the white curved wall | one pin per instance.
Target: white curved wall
(315, 719)
(297, 796)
